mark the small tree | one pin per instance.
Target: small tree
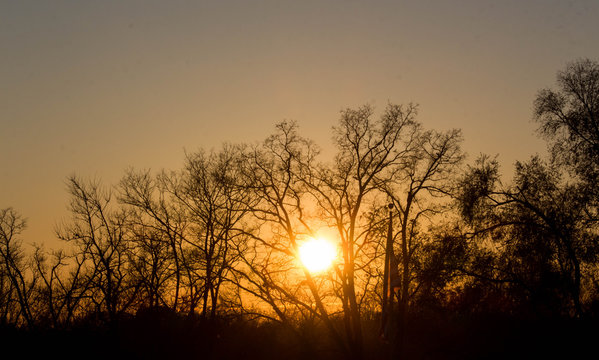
(63, 284)
(16, 290)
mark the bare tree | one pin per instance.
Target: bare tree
(215, 205)
(101, 233)
(345, 193)
(271, 270)
(62, 287)
(16, 290)
(160, 228)
(418, 187)
(150, 261)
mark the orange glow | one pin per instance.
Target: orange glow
(317, 255)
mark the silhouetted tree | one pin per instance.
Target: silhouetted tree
(569, 120)
(101, 233)
(271, 270)
(62, 286)
(419, 185)
(216, 206)
(16, 289)
(159, 226)
(150, 260)
(368, 151)
(539, 229)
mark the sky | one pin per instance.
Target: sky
(94, 87)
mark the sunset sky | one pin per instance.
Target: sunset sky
(90, 88)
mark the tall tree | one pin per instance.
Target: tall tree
(345, 192)
(281, 221)
(419, 186)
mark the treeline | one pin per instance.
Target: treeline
(420, 232)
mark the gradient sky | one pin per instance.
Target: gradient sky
(94, 87)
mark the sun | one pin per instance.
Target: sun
(317, 254)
